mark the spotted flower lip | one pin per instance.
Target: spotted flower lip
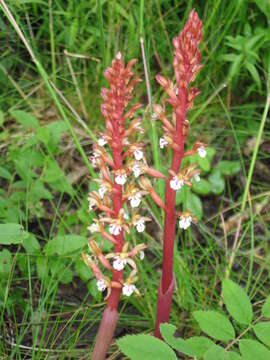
(119, 263)
(115, 229)
(94, 227)
(120, 176)
(102, 141)
(138, 154)
(101, 285)
(185, 221)
(176, 183)
(202, 151)
(128, 289)
(162, 143)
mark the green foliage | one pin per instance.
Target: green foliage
(218, 327)
(139, 347)
(237, 302)
(11, 234)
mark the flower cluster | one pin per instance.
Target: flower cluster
(120, 159)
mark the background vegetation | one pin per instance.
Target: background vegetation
(50, 307)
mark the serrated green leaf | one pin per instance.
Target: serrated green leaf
(252, 349)
(266, 308)
(11, 234)
(146, 347)
(66, 244)
(262, 331)
(237, 302)
(215, 325)
(229, 168)
(27, 120)
(216, 182)
(202, 187)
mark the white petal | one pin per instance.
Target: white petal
(201, 151)
(136, 170)
(102, 142)
(140, 225)
(138, 154)
(154, 116)
(128, 290)
(115, 229)
(162, 143)
(101, 285)
(135, 200)
(102, 190)
(141, 255)
(176, 184)
(119, 264)
(197, 177)
(93, 228)
(121, 179)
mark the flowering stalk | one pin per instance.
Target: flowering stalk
(114, 194)
(181, 96)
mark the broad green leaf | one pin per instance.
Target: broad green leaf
(215, 325)
(217, 182)
(11, 234)
(237, 302)
(145, 347)
(262, 331)
(66, 244)
(194, 205)
(228, 168)
(253, 350)
(204, 163)
(5, 174)
(202, 187)
(31, 244)
(194, 346)
(215, 353)
(266, 308)
(179, 198)
(27, 120)
(233, 356)
(5, 263)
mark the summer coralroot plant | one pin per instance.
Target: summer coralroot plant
(186, 63)
(118, 197)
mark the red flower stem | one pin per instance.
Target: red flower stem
(110, 315)
(167, 280)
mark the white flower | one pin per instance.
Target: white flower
(128, 289)
(176, 91)
(154, 116)
(102, 141)
(93, 159)
(162, 143)
(102, 190)
(93, 228)
(138, 154)
(140, 225)
(101, 285)
(135, 200)
(141, 255)
(92, 203)
(121, 179)
(126, 142)
(119, 263)
(115, 229)
(176, 184)
(136, 170)
(126, 217)
(185, 222)
(201, 151)
(197, 177)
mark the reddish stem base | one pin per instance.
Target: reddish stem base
(163, 306)
(105, 334)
